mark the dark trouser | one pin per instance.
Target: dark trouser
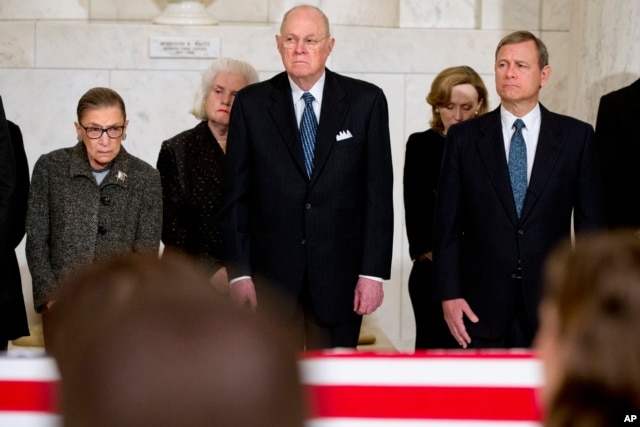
(47, 329)
(431, 329)
(519, 334)
(310, 333)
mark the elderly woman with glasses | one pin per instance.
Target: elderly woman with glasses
(91, 201)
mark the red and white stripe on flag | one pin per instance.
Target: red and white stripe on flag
(29, 391)
(439, 388)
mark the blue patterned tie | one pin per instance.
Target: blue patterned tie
(308, 128)
(518, 166)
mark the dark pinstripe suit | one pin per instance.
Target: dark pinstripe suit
(478, 236)
(278, 225)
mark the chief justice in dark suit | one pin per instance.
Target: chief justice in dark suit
(619, 149)
(488, 252)
(319, 234)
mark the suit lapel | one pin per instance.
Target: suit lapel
(490, 145)
(546, 158)
(284, 117)
(334, 110)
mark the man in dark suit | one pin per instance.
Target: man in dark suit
(619, 149)
(319, 232)
(488, 251)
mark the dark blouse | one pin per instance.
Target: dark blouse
(191, 166)
(423, 159)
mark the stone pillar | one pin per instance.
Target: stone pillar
(605, 52)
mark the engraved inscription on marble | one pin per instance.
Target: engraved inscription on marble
(184, 47)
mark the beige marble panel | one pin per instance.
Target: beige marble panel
(556, 15)
(240, 11)
(413, 51)
(158, 104)
(225, 11)
(67, 44)
(41, 9)
(555, 94)
(417, 111)
(126, 10)
(510, 15)
(17, 44)
(367, 13)
(43, 103)
(605, 52)
(439, 13)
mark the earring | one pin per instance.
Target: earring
(437, 111)
(476, 113)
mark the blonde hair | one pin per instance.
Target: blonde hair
(440, 94)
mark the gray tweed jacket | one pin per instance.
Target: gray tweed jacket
(71, 220)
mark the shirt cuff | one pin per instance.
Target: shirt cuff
(237, 279)
(377, 279)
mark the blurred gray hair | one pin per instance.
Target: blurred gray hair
(220, 64)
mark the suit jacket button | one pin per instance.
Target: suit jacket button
(304, 241)
(521, 232)
(102, 230)
(105, 200)
(308, 206)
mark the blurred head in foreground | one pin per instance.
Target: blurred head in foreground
(589, 339)
(147, 342)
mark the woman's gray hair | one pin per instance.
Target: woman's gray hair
(220, 64)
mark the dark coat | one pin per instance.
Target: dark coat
(423, 159)
(619, 148)
(278, 225)
(13, 316)
(71, 220)
(478, 236)
(191, 166)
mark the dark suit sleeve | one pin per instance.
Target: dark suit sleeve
(149, 229)
(605, 125)
(7, 180)
(607, 148)
(235, 213)
(419, 195)
(38, 234)
(589, 210)
(174, 231)
(19, 205)
(618, 150)
(378, 225)
(447, 244)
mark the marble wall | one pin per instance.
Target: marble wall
(52, 52)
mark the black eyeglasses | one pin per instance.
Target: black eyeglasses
(96, 132)
(291, 42)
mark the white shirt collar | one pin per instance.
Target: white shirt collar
(531, 119)
(316, 90)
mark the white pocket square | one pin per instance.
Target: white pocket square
(343, 134)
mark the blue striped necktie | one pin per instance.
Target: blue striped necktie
(308, 128)
(518, 166)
